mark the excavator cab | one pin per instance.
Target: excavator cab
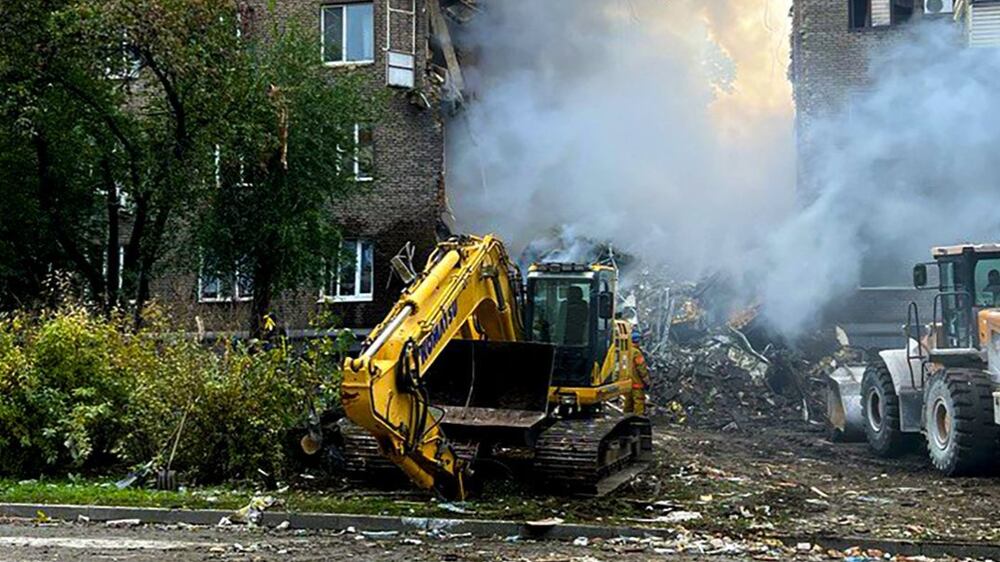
(571, 306)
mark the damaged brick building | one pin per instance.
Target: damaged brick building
(400, 160)
(832, 44)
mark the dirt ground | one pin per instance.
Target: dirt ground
(791, 480)
(781, 478)
(711, 491)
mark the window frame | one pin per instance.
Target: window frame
(354, 155)
(894, 20)
(356, 160)
(121, 266)
(852, 16)
(332, 281)
(343, 34)
(236, 295)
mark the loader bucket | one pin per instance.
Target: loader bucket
(843, 404)
(482, 385)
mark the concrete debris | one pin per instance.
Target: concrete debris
(719, 366)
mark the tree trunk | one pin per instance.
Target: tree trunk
(48, 197)
(146, 261)
(130, 263)
(113, 269)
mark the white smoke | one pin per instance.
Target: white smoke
(611, 117)
(904, 165)
(598, 114)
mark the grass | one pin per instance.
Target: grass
(717, 499)
(96, 492)
(516, 504)
(104, 492)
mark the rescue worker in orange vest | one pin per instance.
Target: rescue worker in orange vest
(635, 402)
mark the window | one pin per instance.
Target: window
(123, 64)
(561, 311)
(860, 13)
(902, 10)
(364, 152)
(362, 161)
(988, 283)
(216, 287)
(347, 33)
(121, 266)
(353, 277)
(866, 14)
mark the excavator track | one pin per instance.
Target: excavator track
(592, 457)
(364, 462)
(362, 459)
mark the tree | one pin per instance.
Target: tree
(286, 158)
(114, 105)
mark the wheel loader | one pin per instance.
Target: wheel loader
(476, 368)
(945, 384)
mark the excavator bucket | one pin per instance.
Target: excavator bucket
(843, 404)
(483, 386)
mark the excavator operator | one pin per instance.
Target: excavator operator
(574, 315)
(635, 402)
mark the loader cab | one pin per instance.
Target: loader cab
(571, 306)
(968, 282)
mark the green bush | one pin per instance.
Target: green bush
(79, 392)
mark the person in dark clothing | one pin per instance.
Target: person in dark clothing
(992, 288)
(576, 316)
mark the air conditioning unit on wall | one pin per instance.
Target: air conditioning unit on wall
(935, 7)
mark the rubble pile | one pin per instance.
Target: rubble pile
(714, 364)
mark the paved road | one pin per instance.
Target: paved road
(25, 541)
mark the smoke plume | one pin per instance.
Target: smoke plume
(666, 128)
(900, 167)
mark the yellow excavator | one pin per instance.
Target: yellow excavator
(474, 367)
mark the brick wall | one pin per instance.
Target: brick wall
(829, 61)
(404, 202)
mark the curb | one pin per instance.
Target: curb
(930, 549)
(328, 521)
(475, 527)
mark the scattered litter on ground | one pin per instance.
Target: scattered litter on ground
(123, 523)
(379, 534)
(252, 513)
(541, 523)
(456, 507)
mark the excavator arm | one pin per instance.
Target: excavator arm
(467, 291)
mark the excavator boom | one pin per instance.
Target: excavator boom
(468, 291)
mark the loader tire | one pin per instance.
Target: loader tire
(958, 422)
(880, 408)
